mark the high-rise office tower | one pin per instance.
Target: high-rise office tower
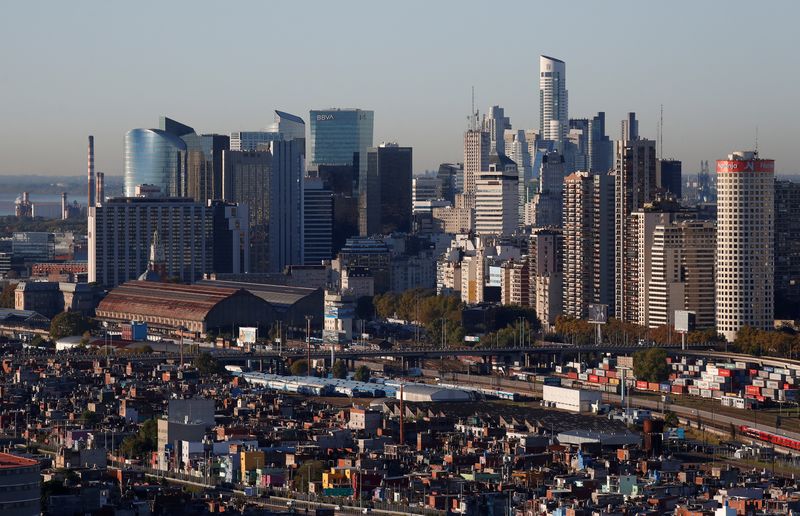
(517, 149)
(553, 124)
(288, 126)
(576, 147)
(385, 196)
(156, 157)
(252, 140)
(284, 127)
(285, 228)
(495, 122)
(682, 272)
(668, 173)
(340, 137)
(476, 159)
(745, 243)
(601, 148)
(425, 188)
(204, 165)
(317, 221)
(246, 180)
(588, 252)
(635, 184)
(629, 128)
(546, 206)
(343, 182)
(120, 232)
(231, 237)
(496, 198)
(787, 250)
(451, 176)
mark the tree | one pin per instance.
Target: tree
(299, 367)
(309, 471)
(651, 365)
(362, 374)
(146, 440)
(90, 419)
(670, 419)
(7, 296)
(206, 364)
(66, 324)
(339, 369)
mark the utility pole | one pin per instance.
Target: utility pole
(308, 345)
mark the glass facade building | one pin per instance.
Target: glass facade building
(154, 157)
(338, 135)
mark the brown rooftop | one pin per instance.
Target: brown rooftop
(13, 461)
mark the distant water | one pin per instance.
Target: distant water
(7, 200)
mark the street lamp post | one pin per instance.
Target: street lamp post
(308, 345)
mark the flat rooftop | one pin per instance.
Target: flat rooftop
(14, 461)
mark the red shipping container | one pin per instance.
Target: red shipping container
(753, 372)
(678, 389)
(611, 374)
(752, 389)
(724, 372)
(641, 384)
(603, 379)
(572, 375)
(653, 386)
(593, 378)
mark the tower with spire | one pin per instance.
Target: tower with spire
(157, 265)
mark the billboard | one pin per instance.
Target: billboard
(247, 335)
(745, 165)
(598, 313)
(684, 321)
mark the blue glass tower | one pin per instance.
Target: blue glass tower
(156, 157)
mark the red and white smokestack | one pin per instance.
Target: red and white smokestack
(100, 194)
(64, 211)
(91, 186)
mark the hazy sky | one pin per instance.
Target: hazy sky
(69, 69)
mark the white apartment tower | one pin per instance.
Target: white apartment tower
(476, 160)
(745, 240)
(496, 198)
(553, 122)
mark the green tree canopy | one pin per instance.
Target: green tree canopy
(207, 364)
(362, 374)
(66, 324)
(7, 296)
(339, 369)
(146, 440)
(299, 367)
(651, 365)
(309, 471)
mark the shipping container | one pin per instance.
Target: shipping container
(678, 389)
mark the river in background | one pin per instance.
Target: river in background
(7, 200)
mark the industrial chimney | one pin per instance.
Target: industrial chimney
(91, 173)
(64, 210)
(101, 188)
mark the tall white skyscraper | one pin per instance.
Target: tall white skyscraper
(496, 197)
(745, 240)
(553, 123)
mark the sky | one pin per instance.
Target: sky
(723, 70)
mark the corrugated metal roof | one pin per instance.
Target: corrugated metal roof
(277, 295)
(146, 298)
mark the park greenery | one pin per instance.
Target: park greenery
(146, 440)
(207, 364)
(651, 365)
(362, 374)
(339, 370)
(67, 324)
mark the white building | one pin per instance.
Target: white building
(574, 400)
(745, 240)
(425, 189)
(476, 160)
(553, 123)
(496, 198)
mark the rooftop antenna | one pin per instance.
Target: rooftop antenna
(661, 134)
(756, 151)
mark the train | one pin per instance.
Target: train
(769, 437)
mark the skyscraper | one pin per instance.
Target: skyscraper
(286, 204)
(546, 271)
(340, 137)
(156, 157)
(231, 237)
(317, 221)
(385, 197)
(476, 159)
(251, 140)
(204, 165)
(288, 126)
(787, 250)
(495, 122)
(552, 99)
(745, 243)
(246, 180)
(635, 184)
(668, 172)
(518, 150)
(284, 127)
(588, 231)
(601, 148)
(546, 206)
(496, 198)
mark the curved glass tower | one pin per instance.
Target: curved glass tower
(154, 157)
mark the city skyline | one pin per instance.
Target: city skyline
(60, 78)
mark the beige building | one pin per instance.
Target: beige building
(496, 198)
(476, 159)
(745, 239)
(454, 219)
(546, 275)
(682, 277)
(515, 287)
